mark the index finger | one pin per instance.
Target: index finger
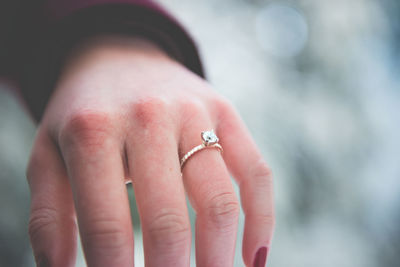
(95, 168)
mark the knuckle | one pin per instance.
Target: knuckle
(86, 128)
(41, 219)
(261, 180)
(261, 174)
(266, 219)
(192, 111)
(192, 108)
(269, 219)
(226, 114)
(223, 210)
(169, 228)
(106, 234)
(150, 113)
(223, 106)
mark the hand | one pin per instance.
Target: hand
(123, 110)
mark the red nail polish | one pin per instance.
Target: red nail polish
(261, 257)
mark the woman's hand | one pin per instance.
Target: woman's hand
(123, 110)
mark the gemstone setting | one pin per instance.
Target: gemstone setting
(209, 137)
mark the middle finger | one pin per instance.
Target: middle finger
(154, 167)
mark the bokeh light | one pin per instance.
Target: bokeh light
(281, 30)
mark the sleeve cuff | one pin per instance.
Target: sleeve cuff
(44, 58)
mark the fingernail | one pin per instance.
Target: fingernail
(261, 257)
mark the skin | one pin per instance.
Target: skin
(123, 109)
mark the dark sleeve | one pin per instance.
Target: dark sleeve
(37, 35)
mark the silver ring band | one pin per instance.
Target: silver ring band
(210, 140)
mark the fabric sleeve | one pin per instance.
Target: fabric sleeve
(43, 32)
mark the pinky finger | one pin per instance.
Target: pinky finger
(52, 226)
(255, 181)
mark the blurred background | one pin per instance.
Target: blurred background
(317, 83)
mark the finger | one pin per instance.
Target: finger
(212, 196)
(157, 182)
(52, 226)
(254, 178)
(93, 158)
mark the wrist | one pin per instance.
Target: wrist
(112, 48)
(120, 43)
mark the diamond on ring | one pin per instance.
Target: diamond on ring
(210, 140)
(209, 137)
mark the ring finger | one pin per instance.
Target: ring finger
(212, 196)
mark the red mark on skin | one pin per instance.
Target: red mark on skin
(89, 130)
(150, 113)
